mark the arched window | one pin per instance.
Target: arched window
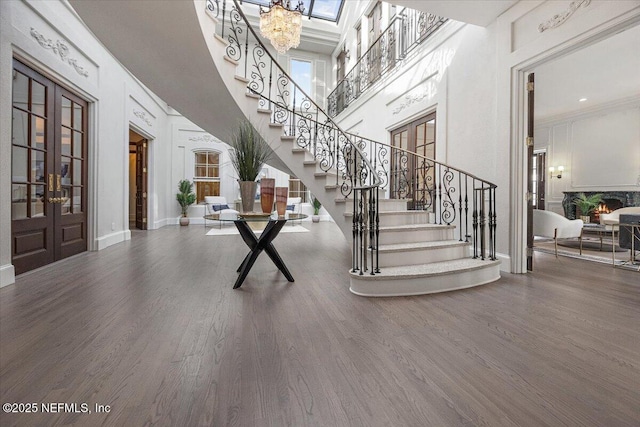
(207, 174)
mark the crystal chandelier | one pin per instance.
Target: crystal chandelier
(281, 24)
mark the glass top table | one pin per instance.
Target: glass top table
(263, 243)
(261, 217)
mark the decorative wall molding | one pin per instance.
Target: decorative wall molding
(61, 49)
(561, 18)
(203, 138)
(143, 116)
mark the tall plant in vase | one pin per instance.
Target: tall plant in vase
(248, 155)
(185, 197)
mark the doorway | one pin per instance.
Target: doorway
(138, 164)
(48, 171)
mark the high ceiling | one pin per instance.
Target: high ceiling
(604, 72)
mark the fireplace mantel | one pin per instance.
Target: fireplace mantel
(627, 198)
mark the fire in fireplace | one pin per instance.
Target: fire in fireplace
(606, 206)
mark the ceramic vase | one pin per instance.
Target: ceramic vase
(267, 188)
(248, 195)
(281, 200)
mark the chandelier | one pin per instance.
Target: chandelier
(281, 24)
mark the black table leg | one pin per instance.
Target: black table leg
(257, 246)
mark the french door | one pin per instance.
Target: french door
(413, 177)
(49, 171)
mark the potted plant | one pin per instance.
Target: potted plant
(316, 210)
(587, 204)
(185, 198)
(248, 155)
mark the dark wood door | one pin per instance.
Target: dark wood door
(530, 103)
(414, 177)
(141, 185)
(33, 176)
(49, 171)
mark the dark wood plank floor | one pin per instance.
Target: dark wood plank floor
(152, 328)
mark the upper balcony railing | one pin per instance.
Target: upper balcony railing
(407, 30)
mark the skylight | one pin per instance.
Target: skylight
(328, 10)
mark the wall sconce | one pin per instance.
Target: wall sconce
(552, 171)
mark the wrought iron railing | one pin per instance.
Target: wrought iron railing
(363, 168)
(407, 30)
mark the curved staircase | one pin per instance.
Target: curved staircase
(395, 250)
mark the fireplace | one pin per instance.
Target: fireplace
(611, 200)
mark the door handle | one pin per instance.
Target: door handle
(59, 182)
(51, 182)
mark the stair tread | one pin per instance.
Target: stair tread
(415, 227)
(431, 269)
(398, 247)
(396, 213)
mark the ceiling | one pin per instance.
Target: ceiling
(476, 12)
(602, 73)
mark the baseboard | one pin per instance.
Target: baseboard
(505, 262)
(112, 239)
(7, 275)
(160, 224)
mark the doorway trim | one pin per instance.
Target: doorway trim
(517, 129)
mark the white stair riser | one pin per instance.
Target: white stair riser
(402, 218)
(384, 205)
(415, 236)
(422, 256)
(360, 285)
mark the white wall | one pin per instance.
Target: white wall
(600, 151)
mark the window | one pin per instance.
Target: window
(341, 61)
(297, 189)
(375, 30)
(301, 74)
(207, 174)
(359, 41)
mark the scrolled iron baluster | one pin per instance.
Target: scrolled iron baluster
(303, 133)
(448, 205)
(256, 76)
(213, 6)
(383, 163)
(234, 50)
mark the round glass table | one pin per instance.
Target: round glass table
(274, 224)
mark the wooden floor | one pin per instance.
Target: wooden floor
(152, 328)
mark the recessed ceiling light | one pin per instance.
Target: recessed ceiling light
(582, 99)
